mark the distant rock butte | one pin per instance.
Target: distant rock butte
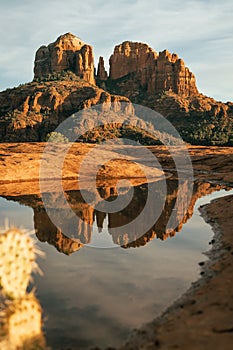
(153, 72)
(67, 53)
(65, 83)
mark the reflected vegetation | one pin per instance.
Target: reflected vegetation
(20, 312)
(21, 324)
(90, 222)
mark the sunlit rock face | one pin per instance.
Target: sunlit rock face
(150, 71)
(68, 52)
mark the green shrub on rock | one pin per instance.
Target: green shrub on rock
(55, 136)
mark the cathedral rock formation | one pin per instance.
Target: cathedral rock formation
(68, 52)
(65, 83)
(152, 72)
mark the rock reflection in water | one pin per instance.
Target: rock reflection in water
(88, 220)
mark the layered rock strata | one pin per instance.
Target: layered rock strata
(153, 72)
(68, 52)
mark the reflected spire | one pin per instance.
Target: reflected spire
(87, 219)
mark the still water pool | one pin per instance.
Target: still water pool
(95, 297)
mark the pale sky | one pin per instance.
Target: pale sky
(199, 31)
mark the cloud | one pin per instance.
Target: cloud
(199, 31)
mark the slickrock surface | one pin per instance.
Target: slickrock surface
(209, 163)
(21, 162)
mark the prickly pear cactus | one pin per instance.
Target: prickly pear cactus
(17, 260)
(20, 312)
(21, 323)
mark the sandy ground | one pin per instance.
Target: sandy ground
(203, 317)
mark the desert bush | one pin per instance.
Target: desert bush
(56, 137)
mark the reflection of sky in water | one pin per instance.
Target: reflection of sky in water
(95, 296)
(17, 215)
(102, 239)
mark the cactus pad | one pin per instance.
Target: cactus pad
(21, 323)
(17, 260)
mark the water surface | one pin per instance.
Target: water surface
(97, 296)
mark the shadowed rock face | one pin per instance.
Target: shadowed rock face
(82, 224)
(101, 72)
(68, 52)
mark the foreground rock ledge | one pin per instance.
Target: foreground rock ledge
(21, 162)
(203, 317)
